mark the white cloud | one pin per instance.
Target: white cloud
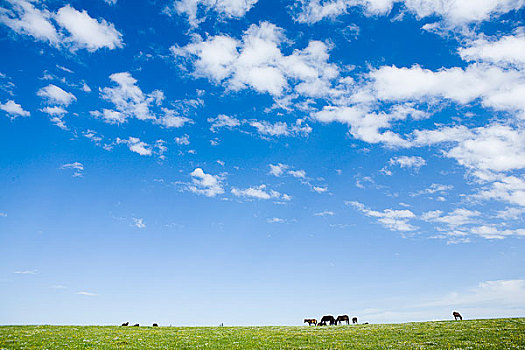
(57, 95)
(205, 184)
(54, 111)
(24, 18)
(257, 62)
(511, 213)
(135, 145)
(26, 272)
(278, 169)
(223, 121)
(413, 162)
(88, 294)
(259, 192)
(14, 109)
(325, 213)
(506, 293)
(266, 128)
(139, 223)
(319, 189)
(172, 119)
(298, 173)
(83, 31)
(394, 220)
(128, 98)
(507, 50)
(509, 189)
(495, 87)
(183, 140)
(87, 32)
(275, 221)
(453, 12)
(225, 8)
(454, 219)
(77, 167)
(434, 188)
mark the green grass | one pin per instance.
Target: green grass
(472, 334)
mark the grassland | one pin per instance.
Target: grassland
(472, 334)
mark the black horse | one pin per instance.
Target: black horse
(354, 319)
(155, 325)
(125, 324)
(457, 316)
(136, 325)
(328, 318)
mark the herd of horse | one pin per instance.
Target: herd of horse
(325, 320)
(330, 320)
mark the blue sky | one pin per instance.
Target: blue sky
(196, 162)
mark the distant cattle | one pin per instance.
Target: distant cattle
(457, 316)
(310, 321)
(125, 324)
(328, 318)
(155, 325)
(342, 318)
(136, 325)
(354, 319)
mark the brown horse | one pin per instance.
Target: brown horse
(354, 319)
(328, 318)
(457, 315)
(310, 321)
(342, 318)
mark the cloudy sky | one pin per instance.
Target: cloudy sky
(193, 162)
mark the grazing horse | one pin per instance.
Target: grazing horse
(155, 325)
(342, 318)
(328, 318)
(136, 325)
(457, 315)
(310, 321)
(321, 323)
(354, 319)
(125, 324)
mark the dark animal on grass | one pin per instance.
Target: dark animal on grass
(365, 323)
(354, 319)
(342, 318)
(310, 321)
(136, 325)
(321, 323)
(328, 318)
(155, 325)
(125, 324)
(457, 316)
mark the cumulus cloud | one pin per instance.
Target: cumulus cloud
(223, 121)
(454, 219)
(67, 27)
(182, 140)
(277, 169)
(56, 95)
(258, 192)
(205, 184)
(257, 62)
(394, 220)
(506, 50)
(87, 32)
(135, 145)
(412, 162)
(224, 8)
(13, 109)
(452, 12)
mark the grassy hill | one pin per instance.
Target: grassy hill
(470, 334)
